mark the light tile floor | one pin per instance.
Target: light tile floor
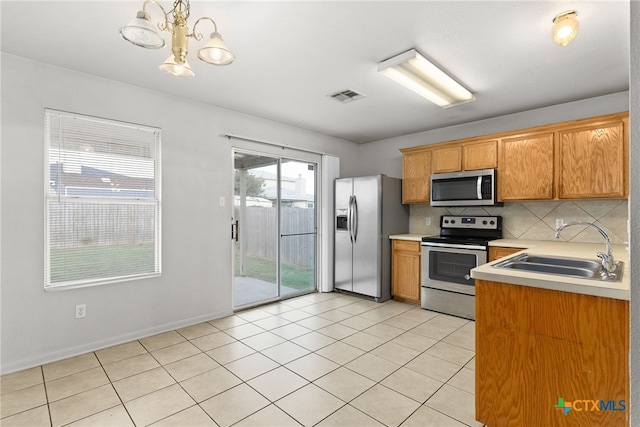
(320, 359)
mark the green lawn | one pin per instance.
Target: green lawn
(94, 262)
(293, 276)
(108, 261)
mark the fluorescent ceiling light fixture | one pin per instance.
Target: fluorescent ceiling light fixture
(565, 27)
(415, 72)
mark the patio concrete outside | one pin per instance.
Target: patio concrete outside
(249, 290)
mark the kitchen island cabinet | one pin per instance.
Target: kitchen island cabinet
(539, 350)
(405, 271)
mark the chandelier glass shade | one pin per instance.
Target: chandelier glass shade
(142, 32)
(565, 27)
(179, 70)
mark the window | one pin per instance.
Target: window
(102, 201)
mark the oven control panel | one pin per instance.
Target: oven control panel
(470, 222)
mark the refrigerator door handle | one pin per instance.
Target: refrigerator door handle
(355, 219)
(350, 219)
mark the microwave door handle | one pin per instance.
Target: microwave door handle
(479, 187)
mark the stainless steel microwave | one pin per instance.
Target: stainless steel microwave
(469, 188)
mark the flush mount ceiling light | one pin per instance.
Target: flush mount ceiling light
(565, 27)
(415, 72)
(142, 32)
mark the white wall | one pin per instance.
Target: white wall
(383, 156)
(38, 326)
(634, 207)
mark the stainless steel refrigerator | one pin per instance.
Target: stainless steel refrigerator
(367, 210)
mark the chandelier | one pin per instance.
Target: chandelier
(142, 32)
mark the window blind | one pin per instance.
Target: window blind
(102, 191)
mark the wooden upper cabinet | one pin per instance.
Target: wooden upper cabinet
(480, 155)
(582, 159)
(447, 159)
(416, 175)
(526, 167)
(593, 161)
(465, 156)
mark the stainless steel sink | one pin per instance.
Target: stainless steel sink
(563, 266)
(561, 261)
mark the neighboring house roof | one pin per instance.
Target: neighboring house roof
(253, 201)
(268, 175)
(286, 194)
(98, 183)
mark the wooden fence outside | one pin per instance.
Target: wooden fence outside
(86, 224)
(75, 225)
(260, 237)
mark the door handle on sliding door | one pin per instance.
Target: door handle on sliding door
(234, 231)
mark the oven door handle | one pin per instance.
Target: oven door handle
(479, 188)
(455, 246)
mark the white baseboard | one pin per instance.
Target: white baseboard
(45, 358)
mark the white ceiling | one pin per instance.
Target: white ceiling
(291, 55)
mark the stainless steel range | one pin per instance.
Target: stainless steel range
(447, 261)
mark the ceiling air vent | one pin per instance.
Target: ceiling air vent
(346, 96)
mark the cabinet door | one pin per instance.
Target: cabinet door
(416, 173)
(497, 252)
(447, 159)
(526, 168)
(405, 267)
(592, 161)
(481, 155)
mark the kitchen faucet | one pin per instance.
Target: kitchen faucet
(608, 263)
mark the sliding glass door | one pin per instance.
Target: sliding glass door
(275, 228)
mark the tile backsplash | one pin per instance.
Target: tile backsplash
(537, 220)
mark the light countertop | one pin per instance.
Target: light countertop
(617, 290)
(411, 237)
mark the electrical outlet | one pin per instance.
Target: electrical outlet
(81, 311)
(428, 220)
(559, 222)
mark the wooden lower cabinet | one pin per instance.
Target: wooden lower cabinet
(405, 271)
(537, 349)
(497, 252)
